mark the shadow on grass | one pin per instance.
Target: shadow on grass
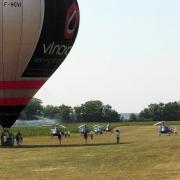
(63, 145)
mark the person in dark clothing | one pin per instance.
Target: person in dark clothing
(85, 137)
(19, 138)
(59, 136)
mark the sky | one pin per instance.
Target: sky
(127, 54)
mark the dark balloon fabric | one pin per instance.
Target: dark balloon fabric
(57, 37)
(35, 38)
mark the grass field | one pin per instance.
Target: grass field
(142, 154)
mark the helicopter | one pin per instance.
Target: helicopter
(164, 128)
(84, 128)
(58, 128)
(102, 128)
(54, 131)
(108, 128)
(98, 129)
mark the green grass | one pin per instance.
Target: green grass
(142, 154)
(73, 127)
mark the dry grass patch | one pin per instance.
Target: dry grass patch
(142, 154)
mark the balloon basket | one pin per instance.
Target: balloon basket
(8, 143)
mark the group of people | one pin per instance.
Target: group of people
(61, 133)
(7, 137)
(86, 133)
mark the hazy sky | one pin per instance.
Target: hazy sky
(127, 54)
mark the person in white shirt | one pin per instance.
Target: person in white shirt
(117, 135)
(91, 134)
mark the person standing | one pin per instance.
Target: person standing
(85, 137)
(65, 134)
(91, 134)
(59, 134)
(19, 138)
(117, 135)
(69, 134)
(85, 133)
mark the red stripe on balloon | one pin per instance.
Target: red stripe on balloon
(14, 101)
(21, 84)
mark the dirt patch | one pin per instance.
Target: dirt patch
(168, 166)
(45, 169)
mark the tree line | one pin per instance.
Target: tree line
(159, 112)
(96, 111)
(90, 111)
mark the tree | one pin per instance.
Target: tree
(64, 113)
(133, 117)
(161, 111)
(33, 110)
(78, 113)
(92, 111)
(95, 111)
(49, 111)
(108, 114)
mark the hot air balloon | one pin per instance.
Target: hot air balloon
(35, 38)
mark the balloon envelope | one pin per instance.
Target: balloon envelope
(35, 38)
